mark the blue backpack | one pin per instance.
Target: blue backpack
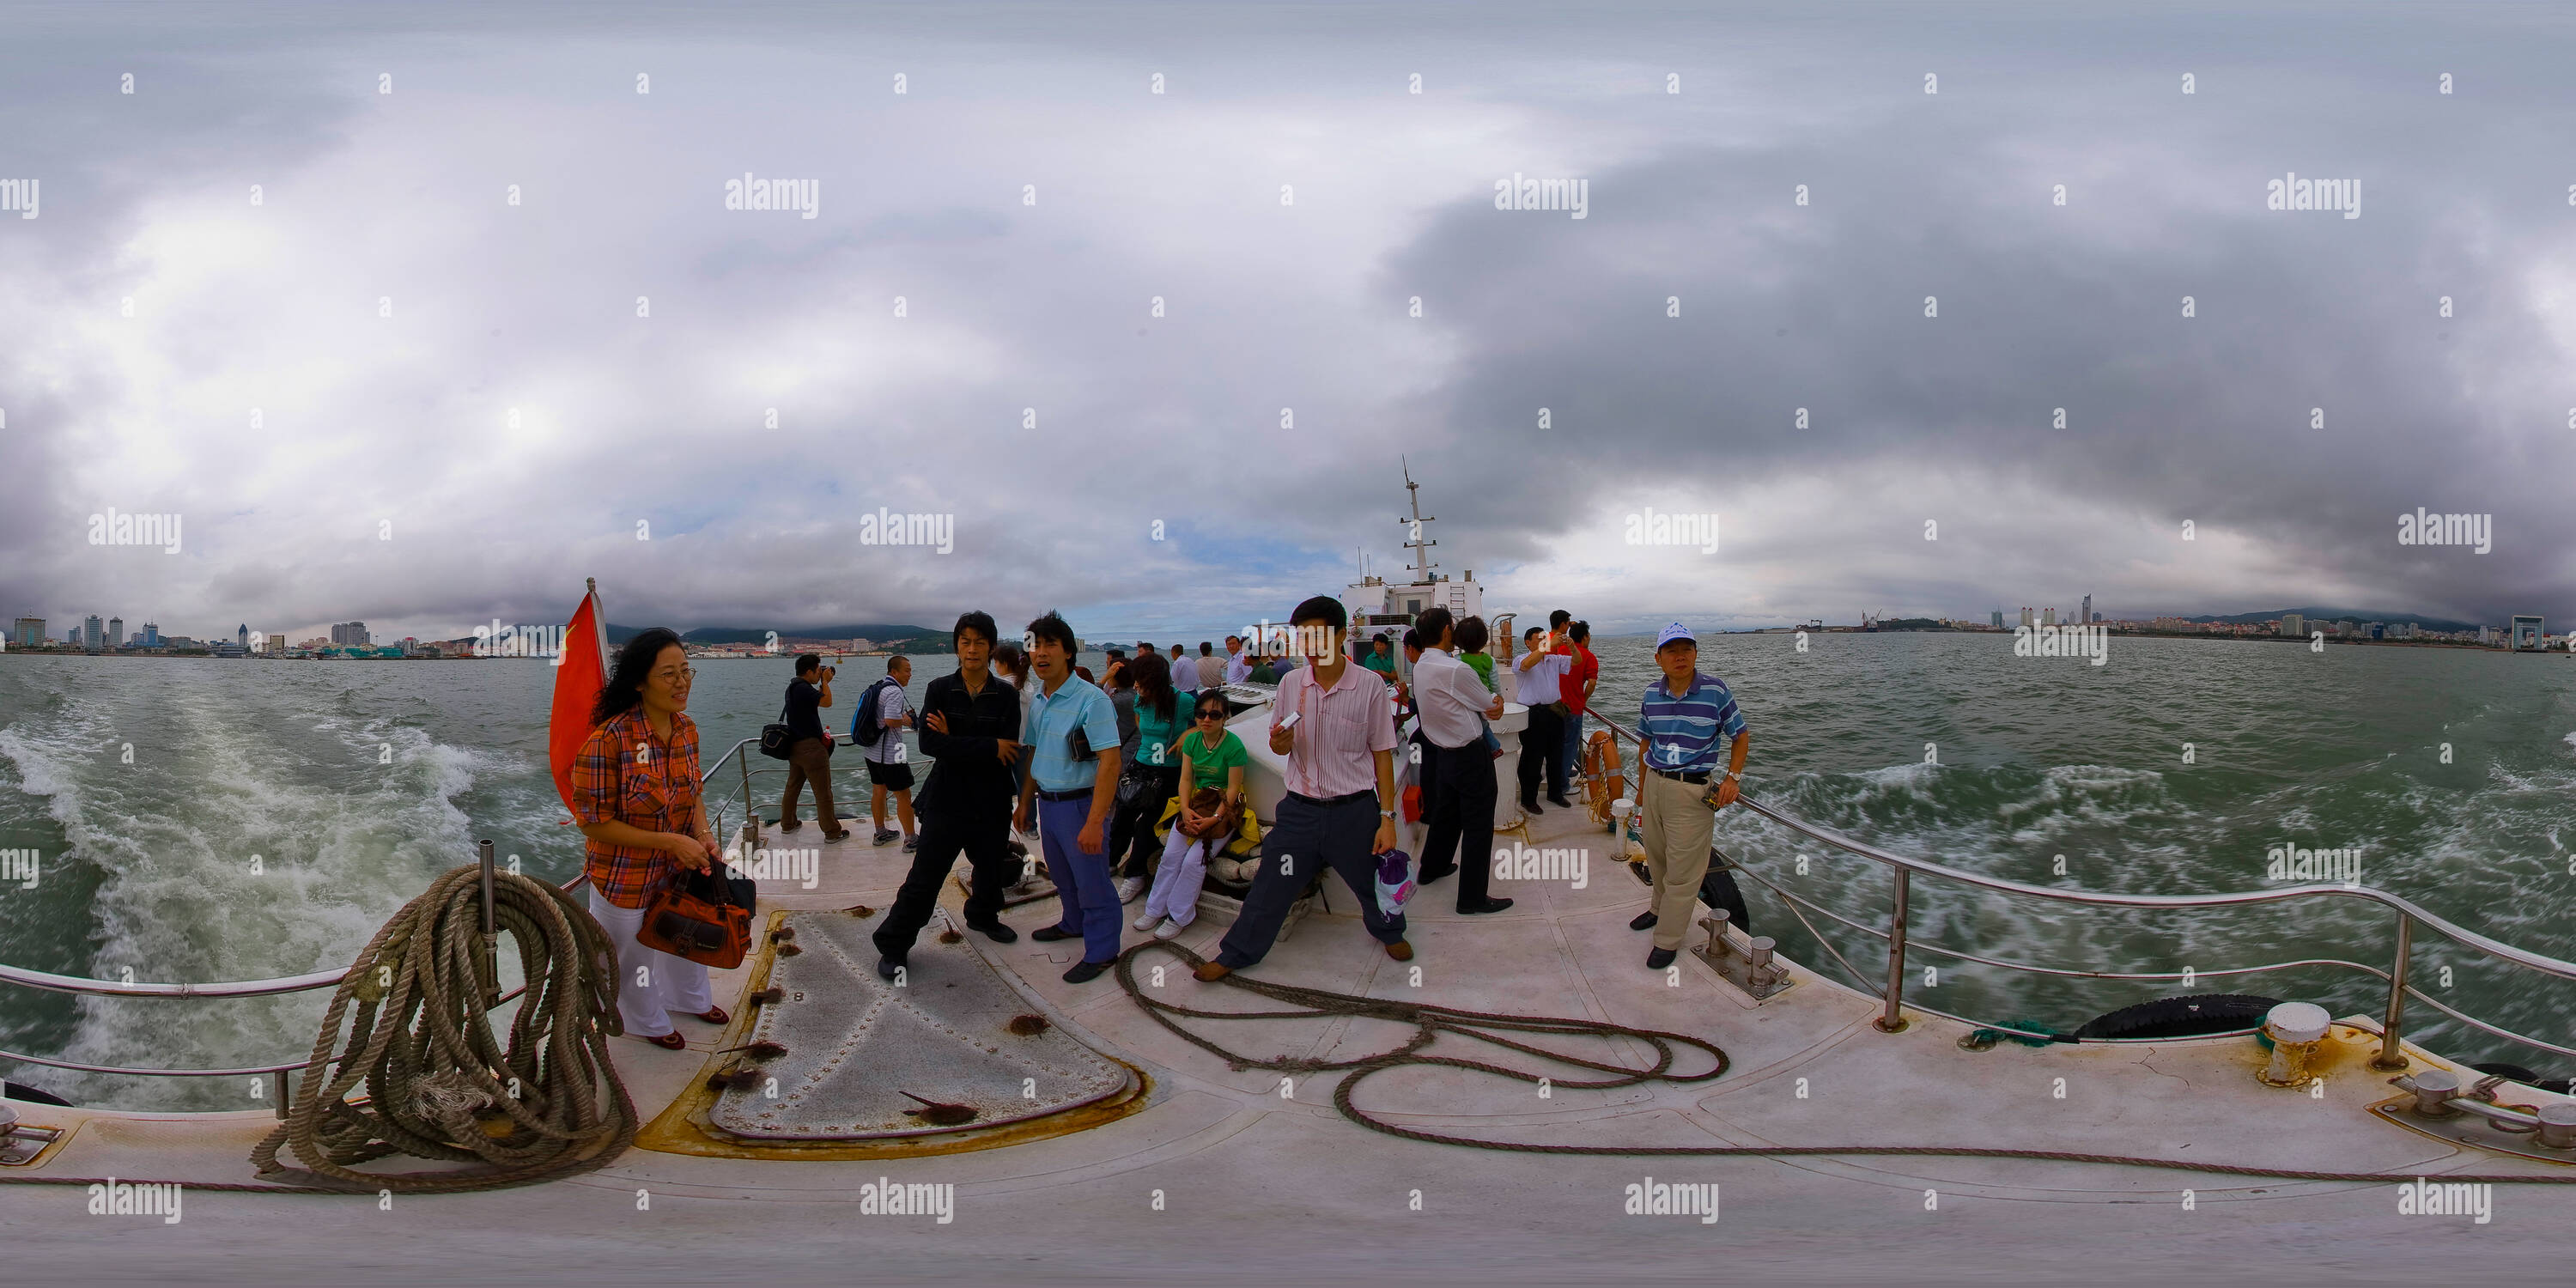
(864, 729)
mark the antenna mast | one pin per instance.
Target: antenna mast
(1415, 542)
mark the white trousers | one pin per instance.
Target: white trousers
(650, 982)
(1177, 882)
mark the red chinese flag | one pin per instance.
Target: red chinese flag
(581, 669)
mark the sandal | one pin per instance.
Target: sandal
(715, 1015)
(670, 1042)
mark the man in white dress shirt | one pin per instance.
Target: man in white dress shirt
(1457, 773)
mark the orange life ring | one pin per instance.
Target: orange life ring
(1602, 780)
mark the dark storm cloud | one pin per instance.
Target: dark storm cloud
(400, 424)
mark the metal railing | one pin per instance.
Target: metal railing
(50, 982)
(1900, 942)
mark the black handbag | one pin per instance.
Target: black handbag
(776, 738)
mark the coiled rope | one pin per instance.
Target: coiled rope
(439, 1085)
(1430, 1021)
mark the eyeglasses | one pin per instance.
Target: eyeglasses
(681, 676)
(1211, 715)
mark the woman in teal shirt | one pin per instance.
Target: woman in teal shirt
(1152, 775)
(1211, 758)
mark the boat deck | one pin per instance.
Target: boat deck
(1222, 1173)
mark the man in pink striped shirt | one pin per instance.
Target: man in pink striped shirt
(1335, 723)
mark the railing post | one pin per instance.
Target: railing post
(1890, 1021)
(2392, 1050)
(748, 811)
(491, 935)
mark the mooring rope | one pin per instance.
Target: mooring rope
(1430, 1021)
(439, 1085)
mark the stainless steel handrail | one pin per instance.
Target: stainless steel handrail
(2409, 915)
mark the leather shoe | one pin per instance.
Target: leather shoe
(1489, 905)
(1531, 808)
(1643, 921)
(715, 1015)
(889, 967)
(995, 931)
(1210, 972)
(1560, 802)
(1429, 877)
(670, 1042)
(1050, 934)
(1660, 958)
(1399, 950)
(1085, 972)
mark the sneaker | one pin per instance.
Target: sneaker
(1170, 929)
(1644, 921)
(884, 835)
(1129, 889)
(1660, 958)
(1147, 922)
(1085, 972)
(911, 844)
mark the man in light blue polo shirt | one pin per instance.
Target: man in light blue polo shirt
(1682, 718)
(1070, 796)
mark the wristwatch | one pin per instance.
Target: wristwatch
(1386, 813)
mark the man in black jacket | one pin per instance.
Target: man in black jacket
(970, 726)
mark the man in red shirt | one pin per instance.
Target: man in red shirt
(1581, 677)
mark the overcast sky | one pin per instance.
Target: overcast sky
(386, 480)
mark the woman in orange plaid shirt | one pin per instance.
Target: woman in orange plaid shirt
(635, 793)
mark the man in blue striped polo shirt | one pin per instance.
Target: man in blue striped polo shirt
(1682, 717)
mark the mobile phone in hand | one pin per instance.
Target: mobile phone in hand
(1291, 721)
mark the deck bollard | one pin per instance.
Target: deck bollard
(2558, 1124)
(2433, 1091)
(2294, 1029)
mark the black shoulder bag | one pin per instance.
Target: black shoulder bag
(775, 738)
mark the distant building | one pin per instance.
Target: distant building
(151, 635)
(276, 641)
(2088, 611)
(2526, 632)
(2025, 617)
(29, 632)
(2294, 626)
(241, 635)
(93, 634)
(115, 632)
(2048, 617)
(349, 633)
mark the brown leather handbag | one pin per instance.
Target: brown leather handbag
(704, 917)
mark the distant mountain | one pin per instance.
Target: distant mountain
(2341, 615)
(880, 632)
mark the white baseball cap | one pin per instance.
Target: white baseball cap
(1676, 631)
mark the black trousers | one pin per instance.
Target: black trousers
(1463, 819)
(1131, 826)
(985, 840)
(1337, 834)
(1542, 744)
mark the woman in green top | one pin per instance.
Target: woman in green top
(1211, 757)
(1152, 772)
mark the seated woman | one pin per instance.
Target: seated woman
(1213, 764)
(635, 790)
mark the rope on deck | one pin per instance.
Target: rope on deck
(439, 1085)
(1430, 1021)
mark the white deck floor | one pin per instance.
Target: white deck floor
(1259, 1188)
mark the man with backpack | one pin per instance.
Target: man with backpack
(878, 730)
